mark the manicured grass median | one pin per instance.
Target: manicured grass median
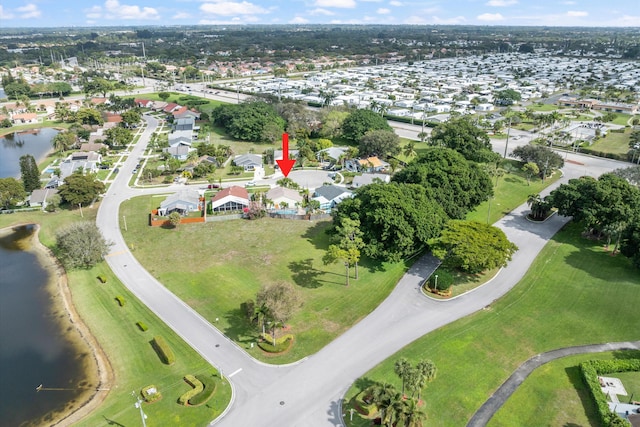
(215, 267)
(573, 294)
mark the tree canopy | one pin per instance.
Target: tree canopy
(381, 143)
(280, 299)
(11, 192)
(396, 219)
(360, 122)
(472, 246)
(462, 135)
(453, 182)
(81, 245)
(250, 121)
(546, 159)
(80, 189)
(29, 173)
(118, 137)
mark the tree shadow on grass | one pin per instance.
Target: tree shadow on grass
(303, 273)
(363, 383)
(317, 235)
(575, 376)
(626, 354)
(240, 329)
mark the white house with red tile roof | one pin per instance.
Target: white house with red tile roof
(230, 199)
(22, 118)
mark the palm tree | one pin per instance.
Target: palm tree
(262, 313)
(413, 416)
(427, 373)
(410, 149)
(274, 324)
(401, 369)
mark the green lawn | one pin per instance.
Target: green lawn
(631, 382)
(613, 142)
(573, 294)
(543, 107)
(216, 266)
(131, 356)
(621, 119)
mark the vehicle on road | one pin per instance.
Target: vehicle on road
(250, 184)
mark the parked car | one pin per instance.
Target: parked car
(212, 186)
(116, 170)
(250, 184)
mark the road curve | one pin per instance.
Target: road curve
(309, 393)
(495, 402)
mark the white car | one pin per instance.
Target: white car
(250, 184)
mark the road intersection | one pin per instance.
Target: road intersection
(308, 393)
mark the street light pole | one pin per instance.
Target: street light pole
(138, 405)
(436, 285)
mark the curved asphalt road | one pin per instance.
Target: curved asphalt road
(309, 392)
(495, 402)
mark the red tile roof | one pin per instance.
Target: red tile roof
(231, 191)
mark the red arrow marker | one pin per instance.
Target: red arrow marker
(285, 164)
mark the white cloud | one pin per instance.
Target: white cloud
(181, 15)
(5, 14)
(299, 20)
(225, 8)
(490, 17)
(114, 10)
(29, 11)
(383, 11)
(345, 4)
(395, 3)
(577, 13)
(320, 11)
(501, 3)
(415, 20)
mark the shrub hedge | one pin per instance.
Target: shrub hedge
(151, 397)
(198, 387)
(282, 344)
(120, 300)
(209, 383)
(590, 371)
(102, 279)
(142, 326)
(163, 350)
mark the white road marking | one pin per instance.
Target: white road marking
(234, 372)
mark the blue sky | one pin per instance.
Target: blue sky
(55, 13)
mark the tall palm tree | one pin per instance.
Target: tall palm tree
(401, 369)
(413, 416)
(261, 315)
(410, 149)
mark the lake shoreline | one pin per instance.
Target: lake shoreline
(96, 367)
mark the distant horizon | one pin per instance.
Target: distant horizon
(16, 14)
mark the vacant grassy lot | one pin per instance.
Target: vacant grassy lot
(132, 358)
(573, 294)
(614, 142)
(216, 266)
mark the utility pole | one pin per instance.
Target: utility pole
(138, 405)
(506, 144)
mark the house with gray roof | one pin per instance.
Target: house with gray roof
(41, 197)
(248, 161)
(330, 195)
(182, 202)
(369, 178)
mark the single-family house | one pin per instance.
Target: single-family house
(333, 153)
(180, 137)
(41, 196)
(372, 164)
(286, 196)
(85, 161)
(484, 107)
(184, 112)
(230, 199)
(170, 107)
(23, 118)
(369, 178)
(92, 146)
(184, 123)
(248, 161)
(330, 195)
(143, 103)
(180, 152)
(182, 202)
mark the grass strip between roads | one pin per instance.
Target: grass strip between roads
(573, 294)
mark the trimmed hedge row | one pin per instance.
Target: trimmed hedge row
(614, 156)
(163, 350)
(102, 279)
(591, 370)
(282, 344)
(209, 383)
(198, 387)
(120, 300)
(142, 326)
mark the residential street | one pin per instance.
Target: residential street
(309, 392)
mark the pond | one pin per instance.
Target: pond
(36, 142)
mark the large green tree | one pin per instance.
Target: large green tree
(455, 183)
(89, 116)
(472, 246)
(80, 189)
(546, 159)
(462, 135)
(11, 192)
(248, 121)
(118, 137)
(81, 245)
(360, 122)
(29, 173)
(381, 143)
(396, 219)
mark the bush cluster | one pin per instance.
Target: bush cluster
(142, 326)
(282, 344)
(198, 387)
(590, 371)
(151, 397)
(163, 350)
(209, 383)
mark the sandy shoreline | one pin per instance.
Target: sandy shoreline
(98, 371)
